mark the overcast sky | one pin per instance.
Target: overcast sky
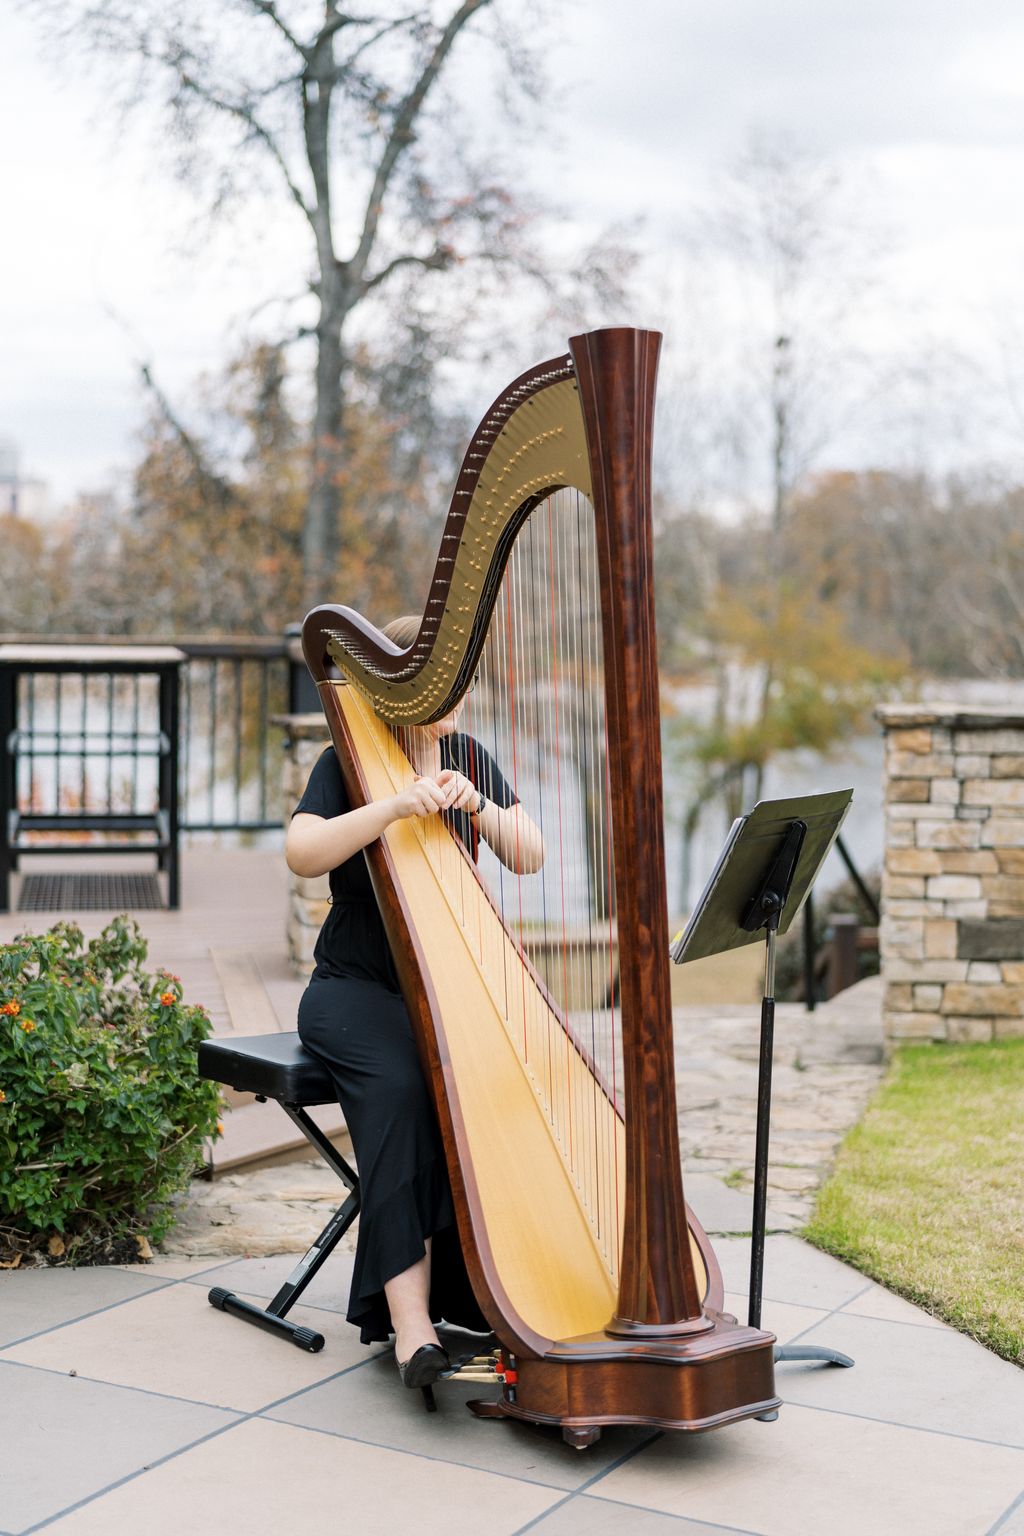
(921, 102)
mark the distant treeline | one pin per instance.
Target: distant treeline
(206, 538)
(928, 574)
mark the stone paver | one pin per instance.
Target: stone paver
(273, 1210)
(178, 1411)
(36, 1300)
(815, 1472)
(282, 1478)
(129, 1348)
(64, 1439)
(826, 1066)
(127, 1402)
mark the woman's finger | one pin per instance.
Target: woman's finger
(433, 792)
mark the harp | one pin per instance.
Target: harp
(541, 1001)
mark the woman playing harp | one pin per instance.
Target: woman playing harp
(408, 1267)
(545, 1025)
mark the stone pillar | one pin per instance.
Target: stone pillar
(306, 736)
(952, 934)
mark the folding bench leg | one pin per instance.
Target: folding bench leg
(273, 1317)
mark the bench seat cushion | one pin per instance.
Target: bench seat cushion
(274, 1065)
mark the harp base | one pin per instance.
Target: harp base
(695, 1385)
(628, 1328)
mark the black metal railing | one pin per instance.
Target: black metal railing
(832, 968)
(230, 754)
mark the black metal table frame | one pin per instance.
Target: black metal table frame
(163, 822)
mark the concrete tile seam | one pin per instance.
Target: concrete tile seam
(923, 1429)
(908, 1322)
(130, 1477)
(199, 1273)
(194, 1402)
(945, 1330)
(745, 1232)
(826, 1312)
(612, 1467)
(1000, 1524)
(240, 1418)
(443, 1461)
(67, 1322)
(649, 1509)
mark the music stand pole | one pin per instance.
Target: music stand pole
(764, 1115)
(764, 910)
(765, 871)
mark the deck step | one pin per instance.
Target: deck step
(250, 1010)
(261, 1136)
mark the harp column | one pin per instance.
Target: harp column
(617, 371)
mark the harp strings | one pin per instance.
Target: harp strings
(545, 942)
(539, 706)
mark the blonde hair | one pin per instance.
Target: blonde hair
(403, 631)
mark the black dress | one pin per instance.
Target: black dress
(352, 1016)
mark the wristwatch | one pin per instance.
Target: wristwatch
(481, 802)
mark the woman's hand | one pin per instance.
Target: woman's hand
(507, 829)
(461, 794)
(424, 797)
(316, 844)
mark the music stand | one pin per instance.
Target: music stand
(770, 861)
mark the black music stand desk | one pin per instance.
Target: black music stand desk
(770, 861)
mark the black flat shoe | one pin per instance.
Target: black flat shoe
(424, 1366)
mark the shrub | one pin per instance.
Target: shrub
(102, 1113)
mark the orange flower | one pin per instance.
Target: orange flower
(28, 1025)
(167, 999)
(3, 1097)
(220, 1127)
(12, 1008)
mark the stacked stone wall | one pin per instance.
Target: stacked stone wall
(952, 933)
(308, 900)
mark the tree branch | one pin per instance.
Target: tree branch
(389, 26)
(440, 258)
(401, 130)
(246, 115)
(214, 482)
(269, 9)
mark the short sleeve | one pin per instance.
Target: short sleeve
(477, 764)
(324, 794)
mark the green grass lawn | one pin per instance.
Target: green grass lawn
(927, 1195)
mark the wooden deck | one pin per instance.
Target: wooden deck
(227, 943)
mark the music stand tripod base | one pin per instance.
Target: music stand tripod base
(768, 865)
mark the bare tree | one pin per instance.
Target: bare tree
(341, 110)
(795, 246)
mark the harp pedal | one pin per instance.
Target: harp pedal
(491, 1369)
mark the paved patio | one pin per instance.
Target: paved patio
(128, 1404)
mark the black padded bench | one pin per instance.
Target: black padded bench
(276, 1067)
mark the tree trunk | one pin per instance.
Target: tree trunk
(321, 534)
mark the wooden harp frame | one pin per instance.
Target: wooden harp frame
(669, 1356)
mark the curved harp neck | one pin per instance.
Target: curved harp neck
(532, 441)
